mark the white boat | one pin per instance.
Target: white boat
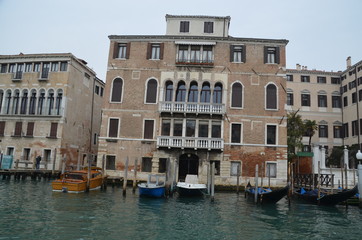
(191, 187)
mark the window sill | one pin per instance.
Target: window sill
(52, 137)
(28, 136)
(111, 140)
(16, 136)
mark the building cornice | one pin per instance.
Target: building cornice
(314, 72)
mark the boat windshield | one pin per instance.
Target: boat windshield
(74, 176)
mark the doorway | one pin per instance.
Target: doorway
(188, 164)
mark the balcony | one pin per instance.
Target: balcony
(194, 63)
(196, 108)
(190, 142)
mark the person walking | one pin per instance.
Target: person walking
(38, 159)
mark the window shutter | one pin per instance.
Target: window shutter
(113, 128)
(161, 50)
(265, 54)
(149, 50)
(53, 130)
(148, 134)
(231, 53)
(30, 129)
(244, 54)
(277, 55)
(115, 50)
(18, 128)
(128, 50)
(2, 128)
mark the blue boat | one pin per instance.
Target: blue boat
(152, 189)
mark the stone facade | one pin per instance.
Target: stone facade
(50, 105)
(194, 99)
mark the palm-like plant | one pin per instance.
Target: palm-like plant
(310, 127)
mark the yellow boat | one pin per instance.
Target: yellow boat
(76, 181)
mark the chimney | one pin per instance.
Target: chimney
(298, 66)
(349, 62)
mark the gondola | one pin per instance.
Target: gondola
(324, 198)
(266, 195)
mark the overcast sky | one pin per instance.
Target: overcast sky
(321, 33)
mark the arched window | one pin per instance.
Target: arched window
(15, 107)
(271, 97)
(169, 91)
(237, 95)
(217, 96)
(24, 102)
(32, 102)
(181, 92)
(205, 93)
(8, 101)
(41, 102)
(117, 88)
(58, 103)
(193, 92)
(151, 93)
(1, 99)
(50, 101)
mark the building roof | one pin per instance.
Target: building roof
(196, 16)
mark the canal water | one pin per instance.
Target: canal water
(30, 210)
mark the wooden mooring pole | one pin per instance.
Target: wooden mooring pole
(237, 178)
(256, 182)
(125, 177)
(212, 181)
(135, 176)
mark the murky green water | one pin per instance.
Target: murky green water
(30, 210)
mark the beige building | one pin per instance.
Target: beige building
(50, 105)
(196, 96)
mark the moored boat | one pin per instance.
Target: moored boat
(191, 187)
(76, 181)
(266, 195)
(152, 189)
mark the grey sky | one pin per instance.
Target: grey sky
(321, 33)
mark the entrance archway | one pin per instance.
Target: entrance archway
(188, 164)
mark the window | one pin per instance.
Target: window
(205, 93)
(217, 166)
(41, 101)
(236, 133)
(2, 128)
(290, 78)
(355, 128)
(32, 103)
(15, 107)
(58, 103)
(345, 130)
(217, 96)
(237, 95)
(290, 99)
(360, 95)
(111, 162)
(181, 92)
(146, 164)
(55, 67)
(117, 88)
(36, 67)
(207, 54)
(53, 130)
(271, 97)
(12, 68)
(177, 128)
(4, 67)
(322, 101)
(271, 170)
(337, 131)
(50, 102)
(18, 129)
(47, 155)
(271, 134)
(113, 127)
(190, 128)
(237, 53)
(24, 102)
(123, 51)
(63, 66)
(305, 78)
(203, 128)
(195, 56)
(323, 131)
(155, 51)
(30, 129)
(45, 70)
(183, 53)
(96, 90)
(354, 97)
(271, 54)
(208, 27)
(335, 80)
(216, 129)
(26, 154)
(235, 168)
(193, 92)
(336, 102)
(345, 101)
(321, 80)
(184, 26)
(306, 100)
(148, 129)
(166, 127)
(162, 165)
(151, 91)
(169, 91)
(28, 67)
(19, 71)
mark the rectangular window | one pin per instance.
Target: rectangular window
(355, 128)
(18, 129)
(113, 127)
(122, 51)
(337, 131)
(166, 127)
(271, 135)
(306, 100)
(111, 162)
(217, 166)
(322, 101)
(237, 53)
(53, 130)
(208, 27)
(290, 78)
(30, 129)
(203, 129)
(305, 78)
(148, 130)
(336, 102)
(2, 128)
(184, 26)
(345, 101)
(12, 68)
(345, 130)
(236, 133)
(36, 67)
(45, 70)
(177, 128)
(360, 95)
(271, 170)
(216, 129)
(183, 53)
(28, 67)
(290, 99)
(321, 80)
(354, 97)
(195, 54)
(47, 155)
(55, 67)
(271, 54)
(235, 169)
(4, 67)
(190, 128)
(335, 80)
(155, 51)
(26, 154)
(323, 131)
(146, 165)
(96, 90)
(63, 66)
(207, 55)
(162, 165)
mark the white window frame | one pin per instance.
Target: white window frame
(146, 89)
(266, 168)
(276, 134)
(143, 128)
(241, 133)
(110, 95)
(277, 97)
(118, 128)
(242, 95)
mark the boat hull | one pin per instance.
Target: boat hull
(151, 191)
(191, 190)
(271, 197)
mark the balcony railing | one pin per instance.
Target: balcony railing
(197, 108)
(200, 63)
(190, 142)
